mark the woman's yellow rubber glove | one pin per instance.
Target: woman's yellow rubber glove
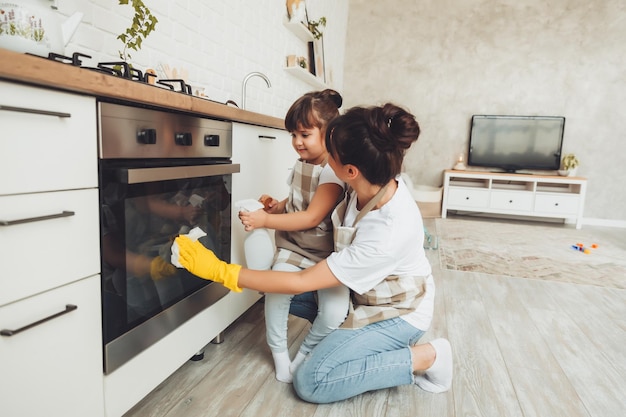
(203, 263)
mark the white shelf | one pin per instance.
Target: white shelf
(299, 29)
(514, 194)
(306, 76)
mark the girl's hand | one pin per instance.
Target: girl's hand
(270, 205)
(253, 219)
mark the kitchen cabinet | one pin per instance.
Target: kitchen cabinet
(266, 158)
(57, 226)
(514, 194)
(50, 316)
(48, 140)
(54, 368)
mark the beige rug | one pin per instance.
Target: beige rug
(531, 250)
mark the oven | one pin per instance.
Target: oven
(161, 174)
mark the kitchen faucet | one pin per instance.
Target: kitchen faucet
(245, 82)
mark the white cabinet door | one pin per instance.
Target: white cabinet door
(53, 368)
(47, 240)
(266, 158)
(47, 140)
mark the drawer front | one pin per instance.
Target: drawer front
(55, 248)
(513, 201)
(45, 152)
(557, 203)
(463, 197)
(53, 368)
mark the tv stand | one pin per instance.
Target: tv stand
(514, 194)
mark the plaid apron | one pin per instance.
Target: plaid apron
(306, 247)
(392, 297)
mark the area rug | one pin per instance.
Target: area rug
(531, 250)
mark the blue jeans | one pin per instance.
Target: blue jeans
(304, 305)
(349, 362)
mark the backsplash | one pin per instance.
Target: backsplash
(217, 43)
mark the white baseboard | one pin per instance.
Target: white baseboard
(604, 222)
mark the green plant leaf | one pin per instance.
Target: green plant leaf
(143, 23)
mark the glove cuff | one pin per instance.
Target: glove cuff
(231, 277)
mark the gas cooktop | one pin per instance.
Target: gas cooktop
(124, 70)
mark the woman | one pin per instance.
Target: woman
(378, 254)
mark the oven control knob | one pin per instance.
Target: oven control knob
(147, 136)
(183, 139)
(211, 140)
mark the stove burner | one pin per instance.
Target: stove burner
(120, 69)
(74, 60)
(183, 87)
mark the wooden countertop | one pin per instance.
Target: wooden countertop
(46, 73)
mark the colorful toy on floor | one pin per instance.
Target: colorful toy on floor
(581, 248)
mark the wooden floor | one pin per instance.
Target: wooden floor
(522, 347)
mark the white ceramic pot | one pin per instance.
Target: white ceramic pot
(34, 26)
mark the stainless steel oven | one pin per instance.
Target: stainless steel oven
(161, 174)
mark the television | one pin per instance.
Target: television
(513, 143)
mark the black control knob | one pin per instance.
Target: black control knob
(147, 136)
(183, 139)
(211, 140)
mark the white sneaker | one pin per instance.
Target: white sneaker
(437, 378)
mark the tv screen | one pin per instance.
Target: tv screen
(513, 143)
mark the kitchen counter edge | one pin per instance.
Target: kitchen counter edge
(41, 72)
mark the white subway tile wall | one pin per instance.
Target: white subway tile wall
(216, 43)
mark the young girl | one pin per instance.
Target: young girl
(303, 227)
(380, 257)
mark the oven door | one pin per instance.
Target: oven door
(143, 208)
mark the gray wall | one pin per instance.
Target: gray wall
(448, 59)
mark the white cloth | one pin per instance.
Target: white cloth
(194, 234)
(248, 205)
(388, 241)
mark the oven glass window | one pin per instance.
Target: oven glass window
(138, 225)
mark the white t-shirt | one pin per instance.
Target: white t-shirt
(328, 176)
(388, 241)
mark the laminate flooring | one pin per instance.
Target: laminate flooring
(522, 348)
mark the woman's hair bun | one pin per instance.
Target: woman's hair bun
(395, 124)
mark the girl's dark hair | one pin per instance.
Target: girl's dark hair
(314, 109)
(373, 139)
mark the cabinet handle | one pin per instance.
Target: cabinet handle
(8, 332)
(267, 137)
(64, 213)
(35, 111)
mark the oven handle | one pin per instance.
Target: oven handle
(142, 175)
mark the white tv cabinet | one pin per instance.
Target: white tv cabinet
(514, 194)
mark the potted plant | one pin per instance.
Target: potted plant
(315, 27)
(569, 163)
(143, 23)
